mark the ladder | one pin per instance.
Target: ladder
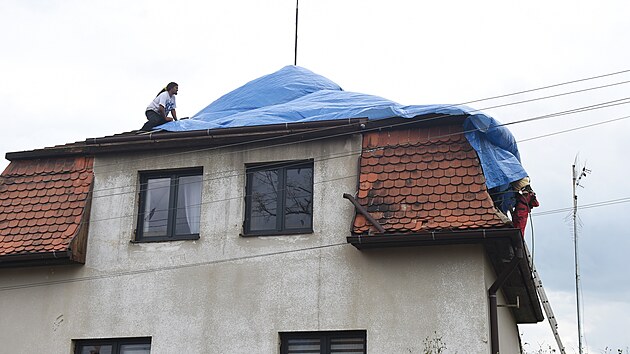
(545, 302)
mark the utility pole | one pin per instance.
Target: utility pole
(577, 176)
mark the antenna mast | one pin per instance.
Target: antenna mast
(297, 2)
(576, 183)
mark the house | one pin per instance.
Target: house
(352, 235)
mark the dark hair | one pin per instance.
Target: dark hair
(167, 88)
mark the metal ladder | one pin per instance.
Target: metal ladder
(545, 303)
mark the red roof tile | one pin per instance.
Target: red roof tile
(423, 179)
(43, 203)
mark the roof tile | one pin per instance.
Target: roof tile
(36, 215)
(423, 179)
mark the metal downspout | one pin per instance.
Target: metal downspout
(492, 297)
(365, 213)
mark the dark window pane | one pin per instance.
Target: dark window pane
(305, 345)
(347, 345)
(135, 349)
(299, 198)
(330, 342)
(156, 203)
(264, 200)
(188, 205)
(96, 349)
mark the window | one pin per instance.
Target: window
(113, 346)
(170, 205)
(279, 199)
(346, 342)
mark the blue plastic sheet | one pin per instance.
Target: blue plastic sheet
(295, 94)
(292, 95)
(496, 148)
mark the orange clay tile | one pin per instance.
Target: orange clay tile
(424, 179)
(35, 209)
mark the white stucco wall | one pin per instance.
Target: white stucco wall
(225, 293)
(509, 342)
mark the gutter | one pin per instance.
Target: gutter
(222, 132)
(36, 259)
(434, 238)
(195, 138)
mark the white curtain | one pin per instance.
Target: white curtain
(191, 187)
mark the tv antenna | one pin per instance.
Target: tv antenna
(297, 3)
(577, 177)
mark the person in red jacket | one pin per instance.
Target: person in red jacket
(525, 201)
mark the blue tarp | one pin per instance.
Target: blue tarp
(496, 148)
(294, 94)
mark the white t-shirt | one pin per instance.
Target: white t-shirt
(165, 100)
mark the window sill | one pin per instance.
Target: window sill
(167, 239)
(278, 233)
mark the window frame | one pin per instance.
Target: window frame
(324, 336)
(174, 175)
(283, 166)
(116, 343)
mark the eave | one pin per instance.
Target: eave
(37, 259)
(228, 137)
(223, 137)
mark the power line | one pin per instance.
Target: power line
(573, 129)
(438, 117)
(550, 86)
(323, 181)
(191, 265)
(557, 95)
(602, 105)
(584, 206)
(164, 268)
(238, 174)
(222, 174)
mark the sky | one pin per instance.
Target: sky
(76, 69)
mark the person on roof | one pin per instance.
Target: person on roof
(525, 201)
(158, 110)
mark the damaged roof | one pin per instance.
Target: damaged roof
(423, 179)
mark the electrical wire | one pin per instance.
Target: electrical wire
(585, 206)
(550, 86)
(573, 129)
(319, 130)
(572, 111)
(163, 268)
(578, 110)
(181, 266)
(134, 190)
(453, 105)
(351, 153)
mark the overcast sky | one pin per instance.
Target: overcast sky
(75, 69)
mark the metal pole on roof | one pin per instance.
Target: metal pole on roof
(576, 183)
(297, 2)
